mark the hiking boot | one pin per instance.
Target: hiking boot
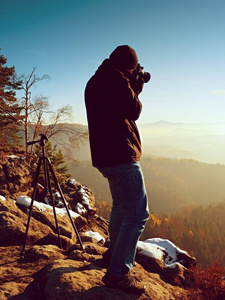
(125, 282)
(105, 261)
(106, 258)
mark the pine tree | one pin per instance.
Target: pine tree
(10, 118)
(57, 161)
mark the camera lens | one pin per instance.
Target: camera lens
(146, 76)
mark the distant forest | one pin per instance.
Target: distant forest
(196, 229)
(186, 199)
(170, 183)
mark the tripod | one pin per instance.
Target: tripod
(48, 189)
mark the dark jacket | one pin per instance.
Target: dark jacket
(112, 108)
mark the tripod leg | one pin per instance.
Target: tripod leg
(46, 173)
(51, 197)
(64, 202)
(31, 205)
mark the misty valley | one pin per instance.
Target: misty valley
(170, 183)
(186, 200)
(184, 172)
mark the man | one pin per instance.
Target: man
(112, 104)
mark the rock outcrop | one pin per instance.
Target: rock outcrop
(47, 271)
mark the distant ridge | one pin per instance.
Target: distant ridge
(162, 123)
(199, 141)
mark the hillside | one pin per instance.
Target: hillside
(196, 229)
(46, 271)
(204, 142)
(171, 183)
(199, 141)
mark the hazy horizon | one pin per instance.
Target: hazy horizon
(204, 142)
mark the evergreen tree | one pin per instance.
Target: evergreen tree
(10, 118)
(57, 161)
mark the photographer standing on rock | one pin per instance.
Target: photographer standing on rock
(112, 104)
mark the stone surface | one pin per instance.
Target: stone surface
(48, 272)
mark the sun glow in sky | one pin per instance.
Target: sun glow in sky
(181, 43)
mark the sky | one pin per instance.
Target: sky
(181, 43)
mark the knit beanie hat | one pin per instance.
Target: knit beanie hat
(124, 57)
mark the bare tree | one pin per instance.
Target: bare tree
(55, 124)
(27, 82)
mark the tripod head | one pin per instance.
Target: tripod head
(41, 141)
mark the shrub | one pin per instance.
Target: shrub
(209, 281)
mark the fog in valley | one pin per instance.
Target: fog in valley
(183, 164)
(203, 142)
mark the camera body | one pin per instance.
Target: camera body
(140, 75)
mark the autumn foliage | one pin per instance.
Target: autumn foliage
(209, 282)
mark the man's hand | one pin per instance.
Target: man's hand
(137, 86)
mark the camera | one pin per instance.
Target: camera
(140, 75)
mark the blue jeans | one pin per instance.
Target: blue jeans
(128, 216)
